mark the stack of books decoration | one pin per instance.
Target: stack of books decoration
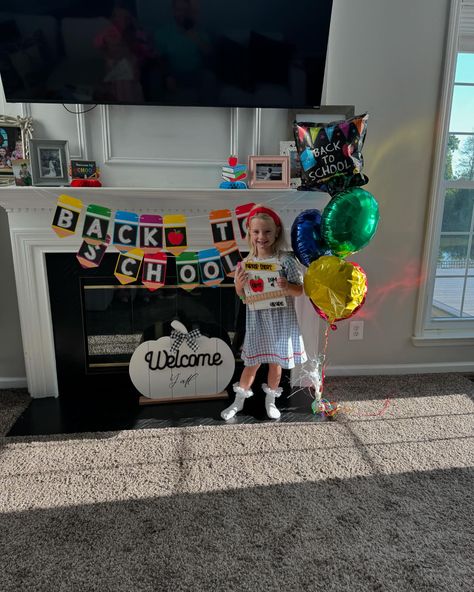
(233, 175)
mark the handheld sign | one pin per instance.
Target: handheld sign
(154, 270)
(175, 233)
(96, 224)
(125, 230)
(66, 215)
(187, 270)
(92, 255)
(128, 266)
(261, 288)
(222, 229)
(151, 233)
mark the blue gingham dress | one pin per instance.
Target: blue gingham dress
(273, 335)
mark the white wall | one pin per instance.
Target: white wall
(385, 57)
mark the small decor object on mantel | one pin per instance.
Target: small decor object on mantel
(49, 162)
(289, 149)
(84, 173)
(184, 366)
(234, 174)
(15, 133)
(269, 172)
(22, 172)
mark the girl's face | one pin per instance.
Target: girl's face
(263, 234)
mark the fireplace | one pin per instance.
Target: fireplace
(98, 323)
(30, 214)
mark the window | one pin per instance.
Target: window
(446, 308)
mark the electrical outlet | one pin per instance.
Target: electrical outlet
(356, 330)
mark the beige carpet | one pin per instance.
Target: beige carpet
(379, 500)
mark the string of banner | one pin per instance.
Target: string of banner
(144, 241)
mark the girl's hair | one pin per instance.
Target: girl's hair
(280, 244)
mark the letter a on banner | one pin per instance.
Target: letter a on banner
(210, 267)
(176, 240)
(66, 215)
(96, 224)
(187, 271)
(154, 270)
(128, 266)
(151, 233)
(125, 231)
(242, 212)
(222, 229)
(92, 255)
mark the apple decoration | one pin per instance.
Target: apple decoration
(257, 284)
(175, 237)
(200, 368)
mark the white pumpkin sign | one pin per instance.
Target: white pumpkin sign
(159, 373)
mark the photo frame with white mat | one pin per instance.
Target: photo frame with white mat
(269, 172)
(49, 162)
(15, 133)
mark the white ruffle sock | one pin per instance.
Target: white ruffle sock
(240, 395)
(270, 396)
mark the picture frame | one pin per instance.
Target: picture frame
(15, 134)
(49, 162)
(22, 172)
(323, 114)
(84, 169)
(269, 172)
(288, 148)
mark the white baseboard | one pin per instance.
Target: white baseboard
(12, 382)
(428, 368)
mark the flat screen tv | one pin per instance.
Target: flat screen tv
(248, 53)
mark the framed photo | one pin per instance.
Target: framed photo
(269, 172)
(15, 133)
(22, 172)
(289, 149)
(49, 162)
(84, 169)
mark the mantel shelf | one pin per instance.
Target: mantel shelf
(15, 198)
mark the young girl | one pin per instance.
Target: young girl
(272, 336)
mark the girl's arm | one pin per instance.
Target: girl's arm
(291, 289)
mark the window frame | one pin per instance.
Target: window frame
(429, 332)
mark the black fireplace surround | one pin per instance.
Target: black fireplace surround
(97, 322)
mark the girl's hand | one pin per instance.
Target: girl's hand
(283, 283)
(240, 277)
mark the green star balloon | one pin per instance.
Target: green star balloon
(349, 221)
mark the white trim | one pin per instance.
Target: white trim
(423, 321)
(256, 131)
(81, 134)
(400, 369)
(12, 382)
(143, 161)
(234, 132)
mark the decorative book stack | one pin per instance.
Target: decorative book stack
(234, 174)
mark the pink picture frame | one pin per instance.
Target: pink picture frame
(269, 172)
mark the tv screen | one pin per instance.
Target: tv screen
(250, 53)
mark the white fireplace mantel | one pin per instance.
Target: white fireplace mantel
(30, 212)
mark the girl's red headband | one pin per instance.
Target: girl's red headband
(263, 210)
